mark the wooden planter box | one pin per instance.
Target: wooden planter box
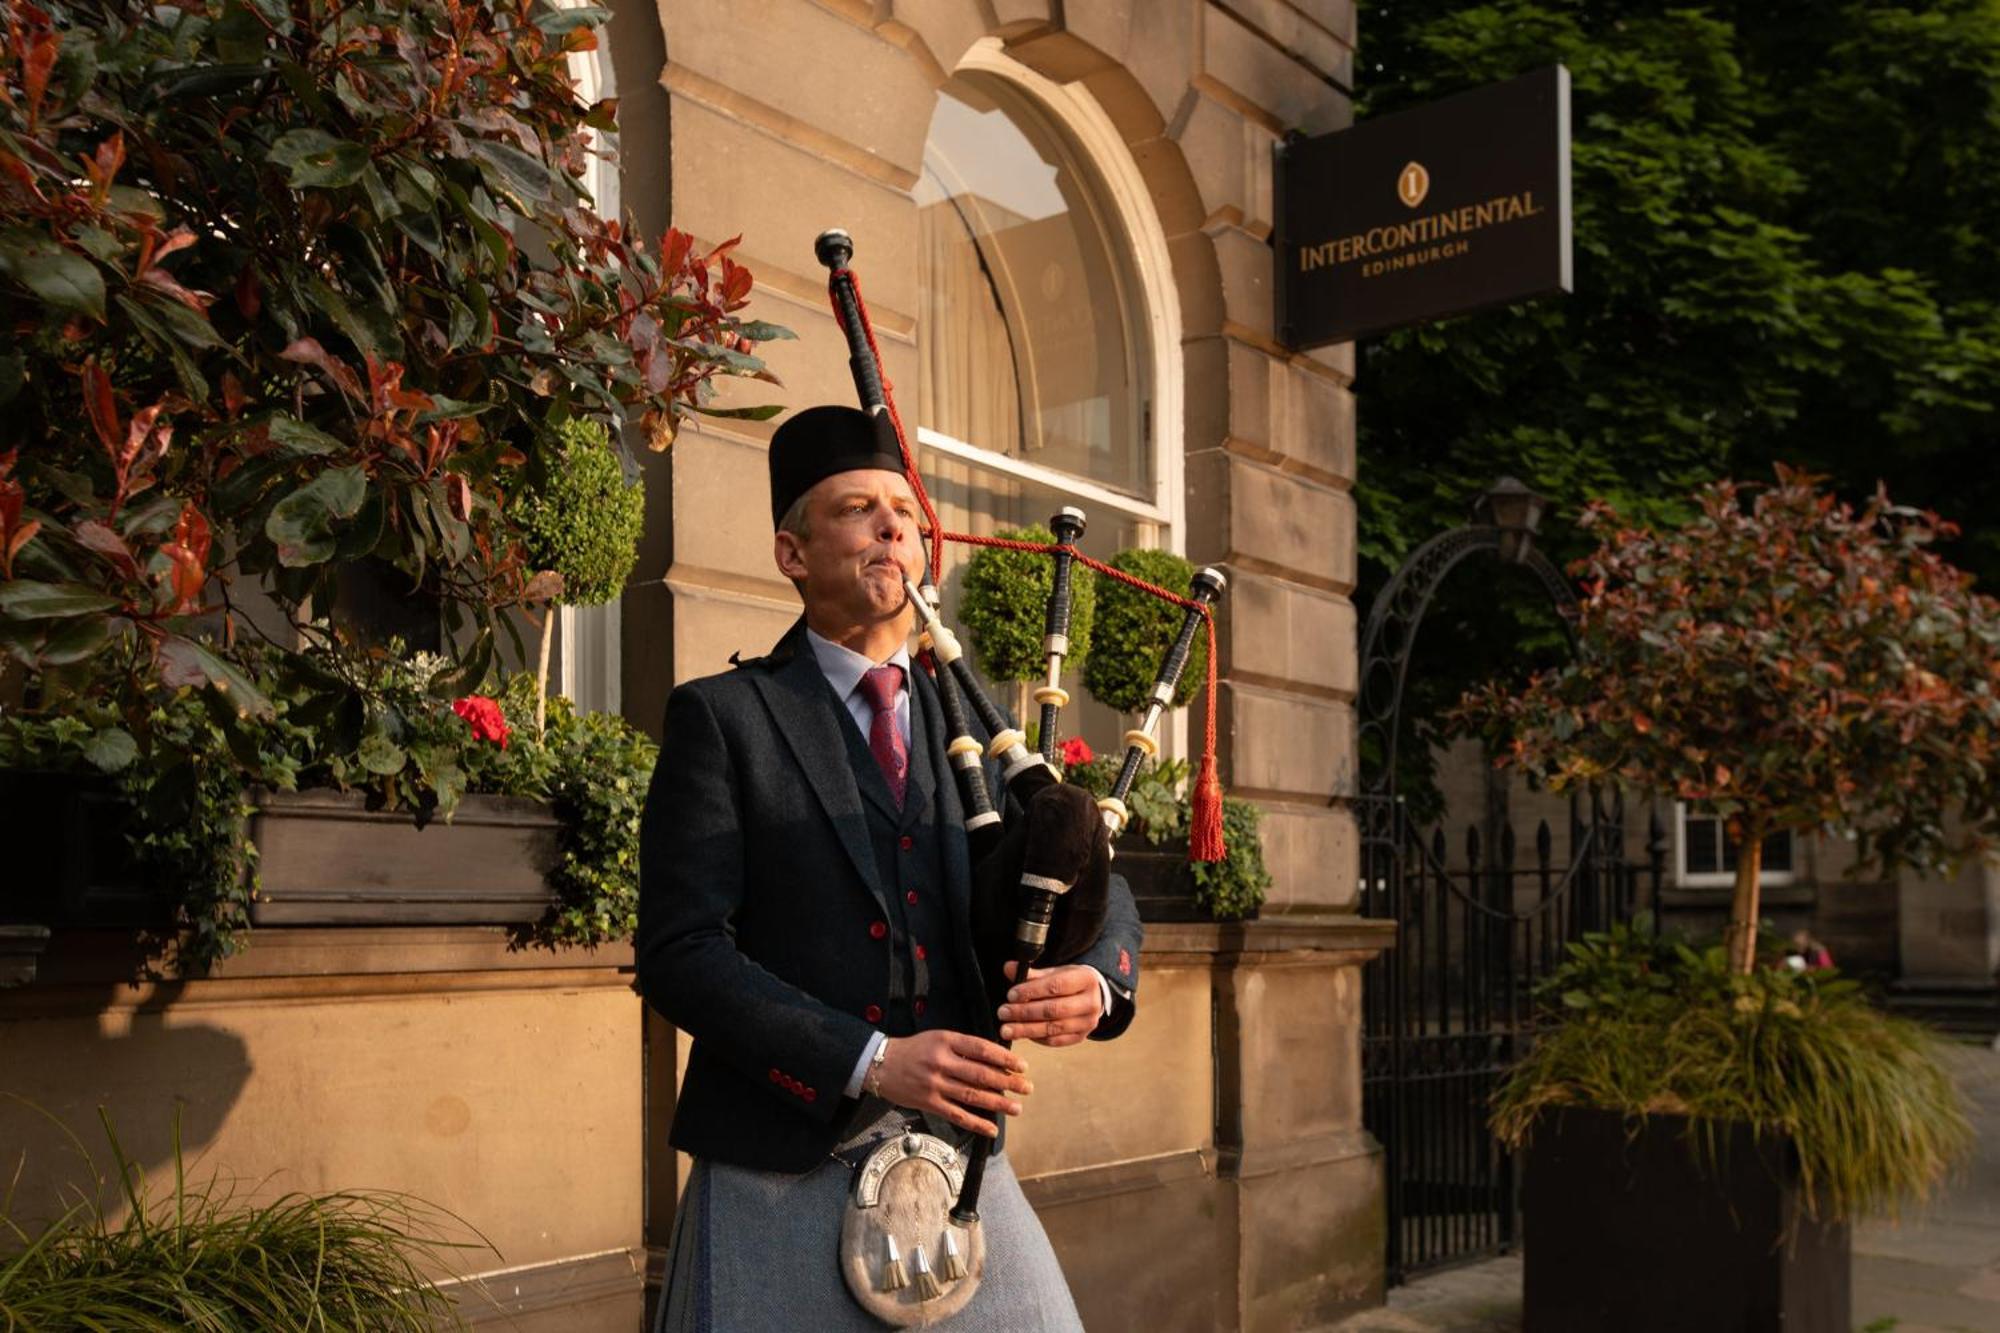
(323, 859)
(326, 860)
(1161, 882)
(1625, 1228)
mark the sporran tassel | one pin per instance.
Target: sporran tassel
(894, 1276)
(952, 1260)
(928, 1287)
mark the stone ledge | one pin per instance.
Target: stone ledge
(1317, 933)
(1248, 1162)
(1097, 1182)
(503, 1297)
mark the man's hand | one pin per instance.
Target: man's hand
(951, 1074)
(1059, 1007)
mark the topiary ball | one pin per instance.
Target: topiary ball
(583, 519)
(1004, 606)
(1135, 629)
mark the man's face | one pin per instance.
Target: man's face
(863, 540)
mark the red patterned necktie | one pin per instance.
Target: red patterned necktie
(885, 742)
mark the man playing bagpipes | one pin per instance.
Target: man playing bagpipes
(806, 916)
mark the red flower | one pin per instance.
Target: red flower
(483, 716)
(1076, 751)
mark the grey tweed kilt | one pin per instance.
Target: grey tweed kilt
(758, 1250)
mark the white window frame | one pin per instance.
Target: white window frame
(1723, 879)
(590, 637)
(1099, 143)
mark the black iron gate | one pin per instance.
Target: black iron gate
(1447, 1010)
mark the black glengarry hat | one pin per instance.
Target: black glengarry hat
(817, 443)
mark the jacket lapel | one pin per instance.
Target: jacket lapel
(809, 718)
(951, 811)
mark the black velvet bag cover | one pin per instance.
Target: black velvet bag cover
(1061, 836)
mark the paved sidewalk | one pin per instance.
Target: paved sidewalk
(1937, 1271)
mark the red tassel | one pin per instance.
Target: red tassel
(1205, 822)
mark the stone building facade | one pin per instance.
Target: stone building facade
(1062, 214)
(1224, 1130)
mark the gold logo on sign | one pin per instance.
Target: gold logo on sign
(1413, 184)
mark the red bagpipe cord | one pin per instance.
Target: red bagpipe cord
(1205, 840)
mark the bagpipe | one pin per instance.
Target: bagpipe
(1040, 848)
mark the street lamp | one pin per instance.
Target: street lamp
(1516, 511)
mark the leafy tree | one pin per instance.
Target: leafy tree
(1781, 231)
(292, 283)
(1793, 663)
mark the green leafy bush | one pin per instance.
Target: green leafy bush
(291, 285)
(374, 721)
(1229, 889)
(1135, 630)
(1004, 605)
(200, 1258)
(582, 518)
(1647, 1025)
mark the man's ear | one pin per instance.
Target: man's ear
(790, 558)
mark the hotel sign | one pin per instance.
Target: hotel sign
(1426, 213)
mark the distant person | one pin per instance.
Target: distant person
(1807, 954)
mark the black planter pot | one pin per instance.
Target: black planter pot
(71, 865)
(1161, 882)
(1626, 1228)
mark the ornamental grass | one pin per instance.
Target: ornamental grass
(198, 1257)
(1653, 1026)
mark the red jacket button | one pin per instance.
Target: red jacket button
(873, 1013)
(776, 1077)
(922, 953)
(919, 1007)
(911, 897)
(906, 842)
(878, 931)
(810, 1094)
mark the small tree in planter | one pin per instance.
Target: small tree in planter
(1135, 629)
(582, 520)
(1792, 663)
(1004, 604)
(1795, 664)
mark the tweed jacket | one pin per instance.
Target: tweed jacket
(760, 902)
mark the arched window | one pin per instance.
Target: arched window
(1040, 336)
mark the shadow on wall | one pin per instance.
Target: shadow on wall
(145, 1069)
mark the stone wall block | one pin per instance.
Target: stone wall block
(731, 179)
(711, 622)
(813, 368)
(1286, 633)
(1229, 158)
(1198, 284)
(1152, 40)
(1251, 391)
(1336, 16)
(1280, 742)
(1313, 854)
(1245, 262)
(722, 517)
(1300, 37)
(1160, 1258)
(1289, 522)
(1081, 1112)
(1337, 357)
(1176, 201)
(1017, 18)
(947, 27)
(1285, 93)
(1312, 420)
(1208, 509)
(800, 60)
(1313, 1241)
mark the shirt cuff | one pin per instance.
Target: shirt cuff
(1103, 993)
(875, 1042)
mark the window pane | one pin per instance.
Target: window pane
(1026, 340)
(980, 501)
(1778, 854)
(1703, 856)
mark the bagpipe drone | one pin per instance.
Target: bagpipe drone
(1041, 850)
